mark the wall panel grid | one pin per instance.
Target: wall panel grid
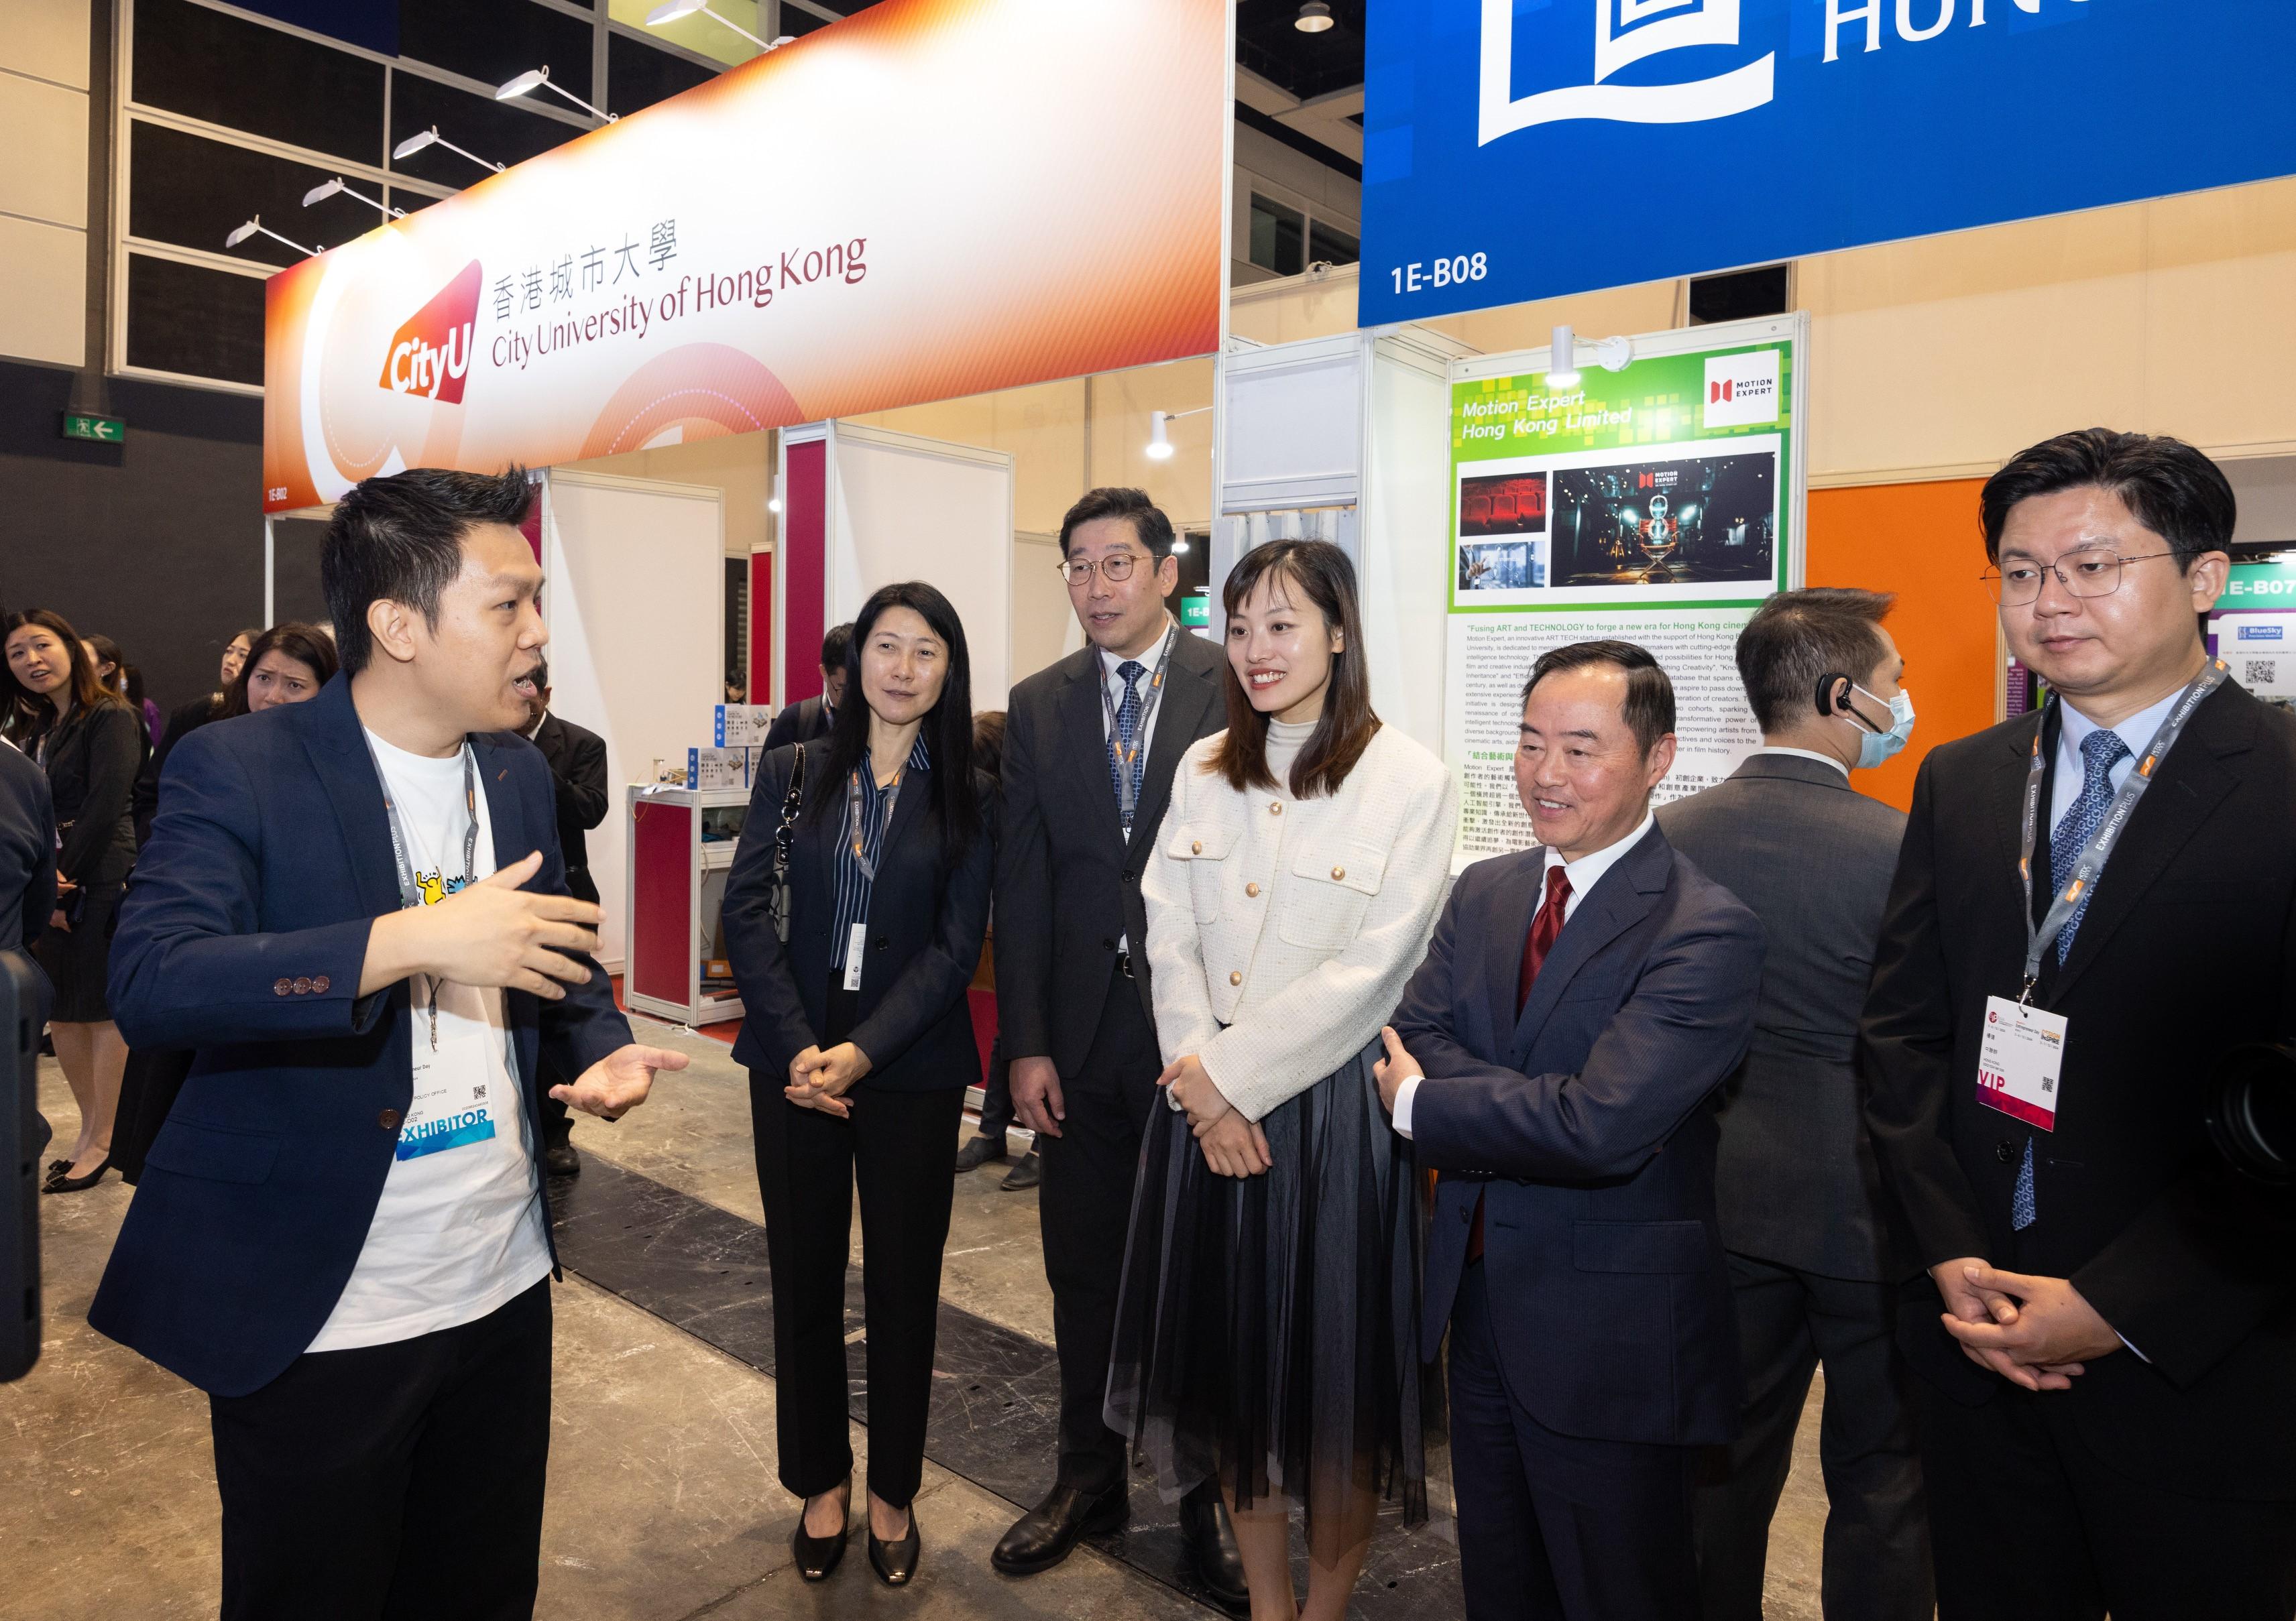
(261, 186)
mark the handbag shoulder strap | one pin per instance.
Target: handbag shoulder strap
(792, 802)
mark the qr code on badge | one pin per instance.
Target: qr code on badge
(2262, 673)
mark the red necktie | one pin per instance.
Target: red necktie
(1544, 929)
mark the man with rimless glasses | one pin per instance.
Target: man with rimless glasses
(2093, 905)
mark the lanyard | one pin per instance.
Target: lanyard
(861, 856)
(2092, 857)
(410, 892)
(1131, 761)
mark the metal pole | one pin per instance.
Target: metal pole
(270, 576)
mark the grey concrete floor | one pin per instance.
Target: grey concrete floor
(663, 1502)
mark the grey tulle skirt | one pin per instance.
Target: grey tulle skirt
(1267, 1327)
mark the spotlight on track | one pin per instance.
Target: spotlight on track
(1314, 18)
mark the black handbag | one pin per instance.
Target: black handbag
(792, 803)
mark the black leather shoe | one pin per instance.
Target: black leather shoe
(560, 1159)
(1046, 1535)
(979, 1151)
(817, 1556)
(1025, 1174)
(895, 1562)
(1210, 1532)
(62, 1182)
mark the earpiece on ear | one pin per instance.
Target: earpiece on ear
(1833, 700)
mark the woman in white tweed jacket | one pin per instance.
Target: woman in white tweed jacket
(1267, 1332)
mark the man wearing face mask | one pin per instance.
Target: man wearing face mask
(1811, 1259)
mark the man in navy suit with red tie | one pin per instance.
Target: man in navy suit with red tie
(1555, 1059)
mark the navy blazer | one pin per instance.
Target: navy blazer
(927, 916)
(244, 937)
(1587, 1125)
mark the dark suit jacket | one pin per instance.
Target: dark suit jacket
(1067, 881)
(803, 721)
(1795, 1179)
(2187, 949)
(28, 849)
(928, 912)
(243, 938)
(578, 772)
(1586, 1127)
(92, 758)
(181, 722)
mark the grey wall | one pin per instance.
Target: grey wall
(157, 543)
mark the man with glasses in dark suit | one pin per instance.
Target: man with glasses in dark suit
(1090, 746)
(2096, 903)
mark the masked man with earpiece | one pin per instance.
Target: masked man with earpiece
(1811, 1259)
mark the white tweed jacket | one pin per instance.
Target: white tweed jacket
(1280, 930)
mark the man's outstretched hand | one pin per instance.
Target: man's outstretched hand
(618, 1082)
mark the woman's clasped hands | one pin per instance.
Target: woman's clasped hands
(820, 1080)
(1232, 1145)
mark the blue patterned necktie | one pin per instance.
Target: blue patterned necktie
(2101, 751)
(1124, 745)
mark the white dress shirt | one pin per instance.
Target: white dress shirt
(1584, 875)
(1805, 754)
(2135, 732)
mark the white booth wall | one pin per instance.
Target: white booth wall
(632, 566)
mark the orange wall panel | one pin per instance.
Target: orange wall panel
(1921, 540)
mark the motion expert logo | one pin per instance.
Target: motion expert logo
(1624, 32)
(1742, 390)
(431, 355)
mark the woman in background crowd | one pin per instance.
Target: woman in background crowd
(1268, 1328)
(112, 669)
(287, 664)
(859, 1044)
(183, 719)
(91, 745)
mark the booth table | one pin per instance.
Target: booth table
(681, 849)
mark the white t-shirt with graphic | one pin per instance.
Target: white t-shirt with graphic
(459, 1229)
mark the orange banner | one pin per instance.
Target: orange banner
(933, 197)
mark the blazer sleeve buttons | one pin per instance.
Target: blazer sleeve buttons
(280, 987)
(319, 984)
(302, 984)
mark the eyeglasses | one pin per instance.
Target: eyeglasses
(2092, 574)
(1116, 567)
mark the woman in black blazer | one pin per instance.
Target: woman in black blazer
(91, 745)
(859, 1044)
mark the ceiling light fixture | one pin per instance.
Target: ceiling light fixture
(1160, 442)
(538, 78)
(257, 227)
(673, 11)
(1314, 18)
(1563, 356)
(431, 137)
(335, 187)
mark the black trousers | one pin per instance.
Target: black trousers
(1877, 1540)
(2029, 1522)
(997, 1093)
(1083, 1206)
(557, 1119)
(391, 1483)
(1557, 1528)
(897, 1149)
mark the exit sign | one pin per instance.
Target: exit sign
(102, 429)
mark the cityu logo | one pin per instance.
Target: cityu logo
(431, 355)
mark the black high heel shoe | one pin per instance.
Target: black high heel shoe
(818, 1556)
(895, 1562)
(61, 1183)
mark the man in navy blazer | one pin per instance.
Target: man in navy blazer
(355, 911)
(1555, 1059)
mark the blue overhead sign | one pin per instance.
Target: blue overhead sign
(1520, 149)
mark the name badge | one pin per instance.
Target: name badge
(2019, 1057)
(855, 943)
(451, 1107)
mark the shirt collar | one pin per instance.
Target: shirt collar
(1587, 871)
(2135, 732)
(539, 719)
(1806, 754)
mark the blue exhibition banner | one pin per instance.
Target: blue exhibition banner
(1521, 149)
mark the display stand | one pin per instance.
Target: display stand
(681, 849)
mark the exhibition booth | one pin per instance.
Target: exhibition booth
(748, 403)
